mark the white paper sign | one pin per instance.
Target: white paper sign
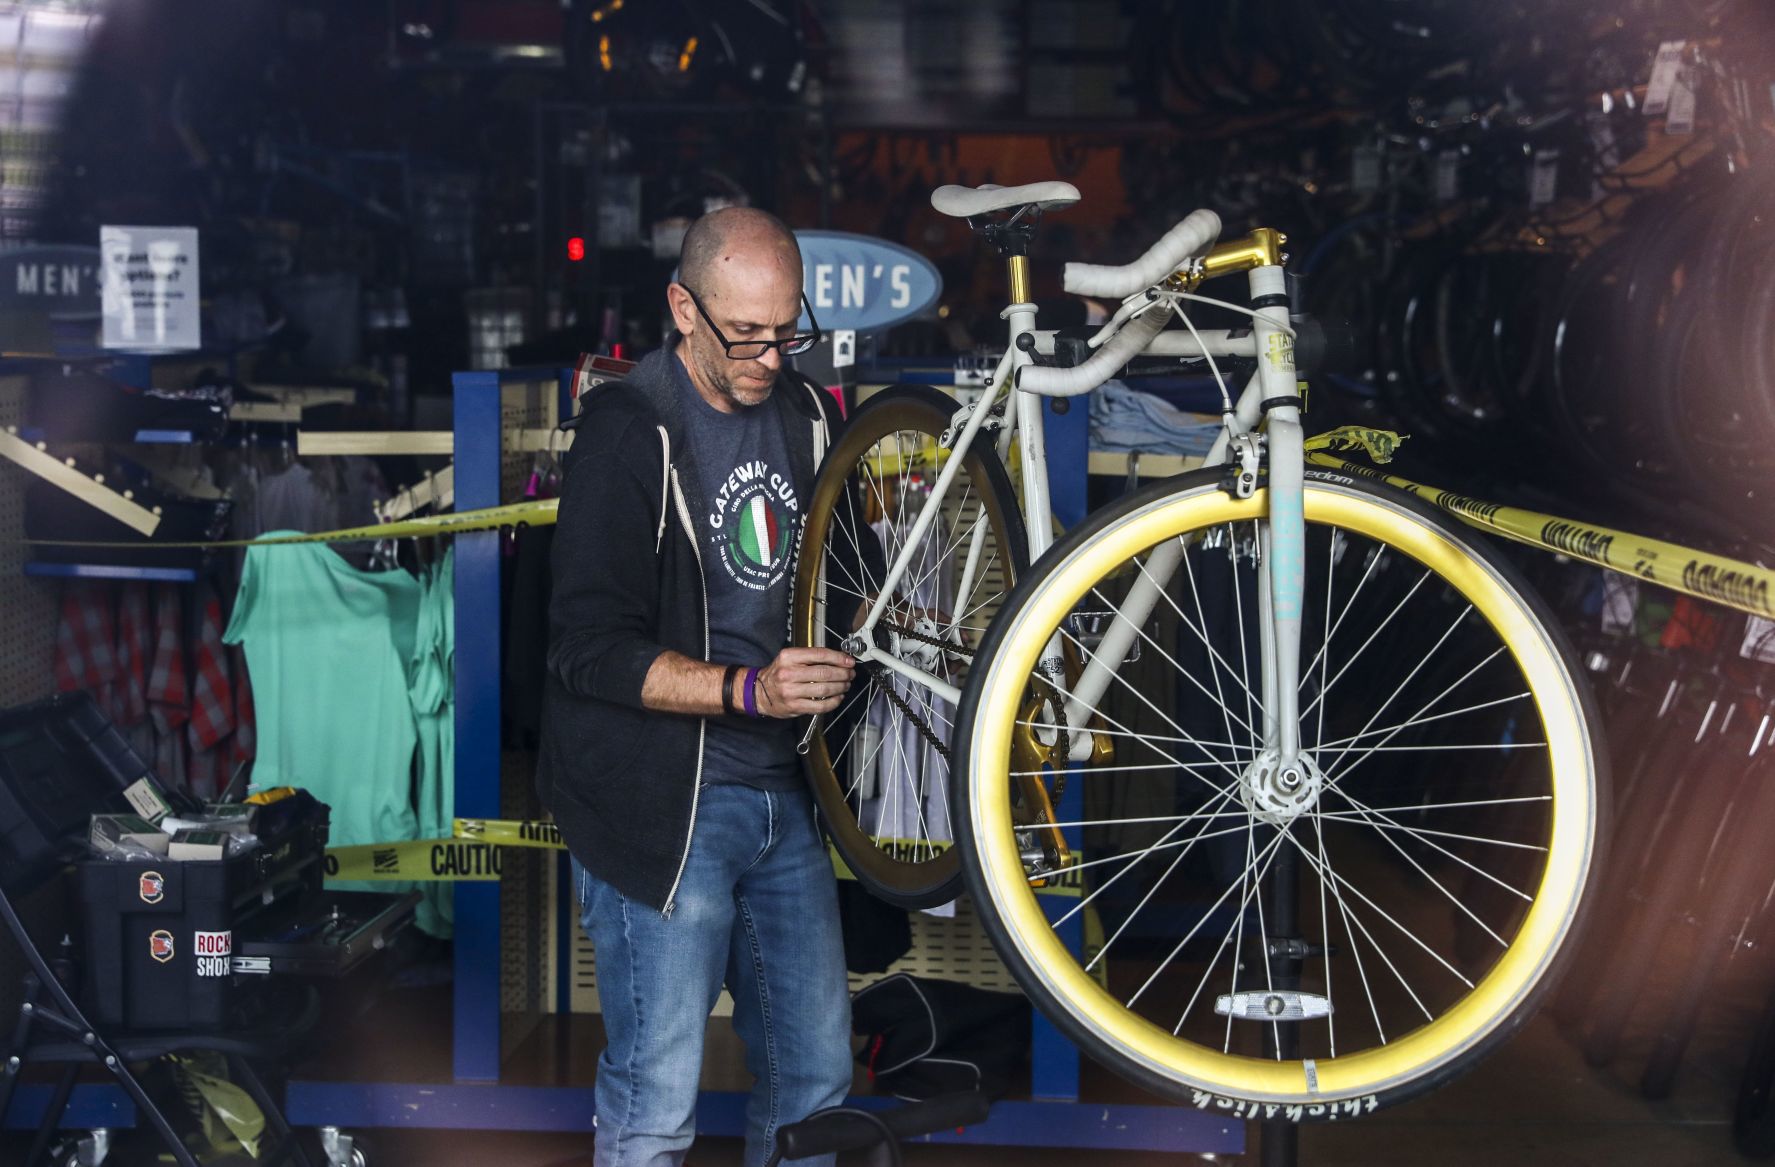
(1663, 78)
(150, 288)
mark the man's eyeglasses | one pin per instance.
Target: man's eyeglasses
(751, 350)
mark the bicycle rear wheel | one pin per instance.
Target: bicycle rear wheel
(1435, 858)
(879, 764)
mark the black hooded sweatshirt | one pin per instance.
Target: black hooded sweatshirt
(622, 780)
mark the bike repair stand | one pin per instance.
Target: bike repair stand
(1279, 1140)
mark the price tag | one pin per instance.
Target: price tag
(1664, 67)
(1543, 179)
(1620, 599)
(1680, 119)
(1759, 640)
(1448, 176)
(1606, 151)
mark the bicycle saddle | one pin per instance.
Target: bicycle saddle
(964, 202)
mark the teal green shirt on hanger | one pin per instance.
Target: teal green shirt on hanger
(330, 650)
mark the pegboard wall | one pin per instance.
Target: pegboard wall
(27, 606)
(527, 884)
(526, 887)
(27, 650)
(949, 948)
(526, 405)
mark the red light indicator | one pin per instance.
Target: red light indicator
(576, 249)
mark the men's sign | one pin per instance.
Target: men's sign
(862, 284)
(52, 282)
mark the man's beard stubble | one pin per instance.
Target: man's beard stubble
(722, 375)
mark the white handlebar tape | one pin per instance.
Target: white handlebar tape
(1197, 231)
(1129, 342)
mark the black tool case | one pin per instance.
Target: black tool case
(172, 944)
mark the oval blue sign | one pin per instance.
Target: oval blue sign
(862, 283)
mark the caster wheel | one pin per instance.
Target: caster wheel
(339, 1149)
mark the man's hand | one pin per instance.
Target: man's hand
(802, 681)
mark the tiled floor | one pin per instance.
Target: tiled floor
(1533, 1104)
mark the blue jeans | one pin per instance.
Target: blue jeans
(757, 908)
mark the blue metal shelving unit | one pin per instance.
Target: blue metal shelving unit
(111, 571)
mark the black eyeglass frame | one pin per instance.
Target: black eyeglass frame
(806, 340)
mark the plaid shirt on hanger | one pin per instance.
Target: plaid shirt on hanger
(84, 656)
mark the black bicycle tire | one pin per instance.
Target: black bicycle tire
(873, 870)
(1753, 1116)
(1092, 1043)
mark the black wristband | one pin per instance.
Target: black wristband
(727, 689)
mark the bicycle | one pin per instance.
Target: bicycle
(1140, 746)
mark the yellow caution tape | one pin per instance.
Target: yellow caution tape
(472, 855)
(1729, 582)
(510, 832)
(538, 513)
(1380, 445)
(424, 860)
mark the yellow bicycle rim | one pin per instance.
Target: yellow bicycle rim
(1436, 1043)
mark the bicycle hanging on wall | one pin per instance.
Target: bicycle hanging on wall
(1308, 763)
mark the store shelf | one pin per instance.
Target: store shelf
(111, 571)
(547, 1084)
(1147, 466)
(141, 437)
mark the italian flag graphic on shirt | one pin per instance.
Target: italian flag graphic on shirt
(753, 524)
(756, 536)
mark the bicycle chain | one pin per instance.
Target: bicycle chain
(900, 703)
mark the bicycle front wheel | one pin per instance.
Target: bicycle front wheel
(880, 763)
(1313, 943)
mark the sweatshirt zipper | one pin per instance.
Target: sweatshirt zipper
(702, 725)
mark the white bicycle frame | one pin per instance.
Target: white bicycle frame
(1282, 543)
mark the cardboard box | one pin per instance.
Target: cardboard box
(111, 831)
(198, 845)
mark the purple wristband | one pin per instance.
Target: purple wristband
(751, 693)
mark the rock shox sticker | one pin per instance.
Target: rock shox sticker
(213, 950)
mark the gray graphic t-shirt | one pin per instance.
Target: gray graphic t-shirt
(749, 533)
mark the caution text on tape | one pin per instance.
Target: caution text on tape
(1731, 582)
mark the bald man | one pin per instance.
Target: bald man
(669, 717)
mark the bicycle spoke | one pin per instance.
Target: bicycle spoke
(1224, 796)
(1325, 942)
(1400, 688)
(1244, 649)
(1268, 857)
(1379, 951)
(1191, 934)
(1392, 731)
(1129, 686)
(1360, 817)
(1475, 868)
(1201, 631)
(1434, 882)
(1369, 751)
(1378, 629)
(1116, 674)
(1318, 660)
(1227, 715)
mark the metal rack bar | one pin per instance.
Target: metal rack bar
(477, 909)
